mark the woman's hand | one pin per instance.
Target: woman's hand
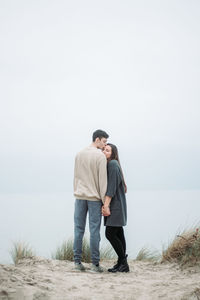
(105, 211)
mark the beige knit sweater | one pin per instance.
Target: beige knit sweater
(90, 174)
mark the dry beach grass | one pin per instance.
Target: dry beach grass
(184, 249)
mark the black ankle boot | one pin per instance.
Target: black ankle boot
(115, 267)
(123, 266)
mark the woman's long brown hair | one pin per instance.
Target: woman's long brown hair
(115, 155)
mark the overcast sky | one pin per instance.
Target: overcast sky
(68, 68)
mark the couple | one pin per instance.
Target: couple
(99, 189)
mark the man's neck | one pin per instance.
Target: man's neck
(93, 145)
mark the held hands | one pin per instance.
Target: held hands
(105, 211)
(105, 208)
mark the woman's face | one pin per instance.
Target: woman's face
(107, 151)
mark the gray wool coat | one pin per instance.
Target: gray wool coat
(115, 189)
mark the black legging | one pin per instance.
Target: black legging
(115, 235)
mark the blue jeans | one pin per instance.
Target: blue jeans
(80, 214)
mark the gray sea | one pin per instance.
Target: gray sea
(44, 221)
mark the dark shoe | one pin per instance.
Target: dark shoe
(123, 267)
(115, 267)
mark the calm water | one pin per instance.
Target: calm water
(44, 221)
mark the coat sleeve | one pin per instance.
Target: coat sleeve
(114, 179)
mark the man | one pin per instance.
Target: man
(90, 184)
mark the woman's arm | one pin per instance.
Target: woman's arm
(114, 179)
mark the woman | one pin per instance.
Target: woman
(114, 208)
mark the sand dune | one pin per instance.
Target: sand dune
(42, 279)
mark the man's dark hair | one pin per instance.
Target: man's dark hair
(99, 134)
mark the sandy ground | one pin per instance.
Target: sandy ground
(43, 279)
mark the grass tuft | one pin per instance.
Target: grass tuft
(146, 255)
(185, 248)
(65, 251)
(86, 251)
(21, 250)
(107, 253)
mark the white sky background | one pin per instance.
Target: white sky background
(131, 68)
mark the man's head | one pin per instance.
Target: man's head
(99, 138)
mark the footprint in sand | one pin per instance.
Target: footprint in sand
(72, 288)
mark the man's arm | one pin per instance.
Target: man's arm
(102, 177)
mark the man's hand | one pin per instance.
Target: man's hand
(105, 211)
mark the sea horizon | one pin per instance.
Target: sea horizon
(45, 220)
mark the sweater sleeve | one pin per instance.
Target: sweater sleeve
(114, 179)
(102, 176)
